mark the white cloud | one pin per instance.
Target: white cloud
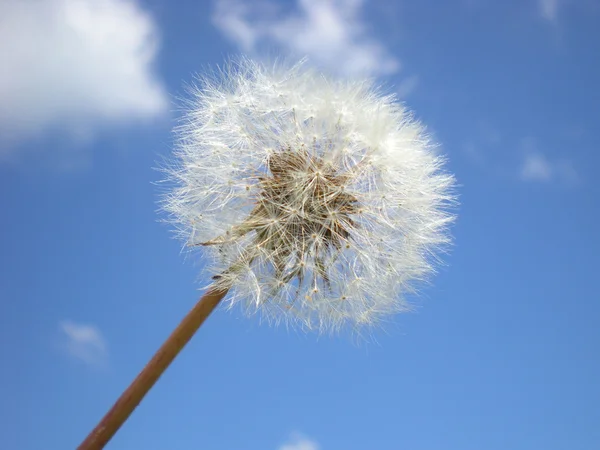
(73, 65)
(84, 342)
(331, 33)
(299, 442)
(548, 9)
(536, 167)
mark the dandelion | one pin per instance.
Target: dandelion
(320, 202)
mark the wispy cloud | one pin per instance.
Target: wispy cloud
(84, 343)
(407, 86)
(75, 65)
(483, 142)
(332, 33)
(548, 9)
(486, 148)
(299, 442)
(537, 167)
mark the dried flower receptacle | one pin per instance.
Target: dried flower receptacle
(302, 213)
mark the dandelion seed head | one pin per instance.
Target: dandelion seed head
(321, 202)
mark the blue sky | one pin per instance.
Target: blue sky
(502, 352)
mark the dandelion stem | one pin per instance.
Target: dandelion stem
(136, 391)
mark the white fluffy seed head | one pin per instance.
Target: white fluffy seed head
(320, 201)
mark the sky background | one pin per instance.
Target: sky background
(502, 352)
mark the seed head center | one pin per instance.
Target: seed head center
(308, 200)
(301, 218)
